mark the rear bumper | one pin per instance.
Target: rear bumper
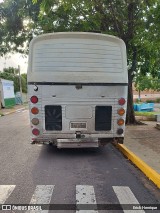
(77, 142)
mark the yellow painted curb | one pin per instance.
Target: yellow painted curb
(147, 170)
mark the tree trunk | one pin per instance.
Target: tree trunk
(139, 94)
(130, 117)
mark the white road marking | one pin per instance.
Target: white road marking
(42, 195)
(85, 195)
(125, 196)
(5, 191)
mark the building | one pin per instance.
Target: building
(7, 97)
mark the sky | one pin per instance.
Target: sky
(13, 61)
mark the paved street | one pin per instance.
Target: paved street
(44, 174)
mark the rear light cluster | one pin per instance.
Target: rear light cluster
(121, 101)
(35, 121)
(35, 111)
(121, 112)
(35, 132)
(34, 99)
(120, 122)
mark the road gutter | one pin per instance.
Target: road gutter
(147, 170)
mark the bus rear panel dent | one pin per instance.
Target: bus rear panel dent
(80, 106)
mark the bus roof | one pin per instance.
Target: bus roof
(77, 57)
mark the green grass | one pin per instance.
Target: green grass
(146, 113)
(137, 101)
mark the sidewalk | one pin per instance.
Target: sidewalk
(144, 141)
(12, 110)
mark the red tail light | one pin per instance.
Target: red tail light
(121, 101)
(34, 99)
(35, 132)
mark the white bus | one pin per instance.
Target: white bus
(77, 86)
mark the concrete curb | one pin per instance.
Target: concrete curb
(147, 170)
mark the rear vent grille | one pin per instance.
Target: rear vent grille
(103, 118)
(53, 117)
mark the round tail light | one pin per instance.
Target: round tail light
(119, 131)
(35, 132)
(120, 122)
(35, 121)
(34, 99)
(35, 110)
(121, 111)
(121, 101)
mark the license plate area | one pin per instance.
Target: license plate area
(78, 125)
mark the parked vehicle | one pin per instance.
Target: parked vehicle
(77, 86)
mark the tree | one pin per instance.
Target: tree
(134, 21)
(146, 83)
(18, 24)
(24, 82)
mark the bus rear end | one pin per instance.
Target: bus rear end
(77, 86)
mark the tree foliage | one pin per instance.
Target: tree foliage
(24, 82)
(18, 24)
(134, 21)
(147, 82)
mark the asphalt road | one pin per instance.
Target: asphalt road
(44, 174)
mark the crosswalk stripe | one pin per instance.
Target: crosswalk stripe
(85, 195)
(42, 195)
(5, 191)
(126, 196)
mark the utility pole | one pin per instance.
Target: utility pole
(20, 83)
